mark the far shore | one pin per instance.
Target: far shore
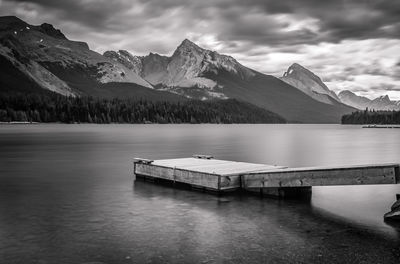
(151, 123)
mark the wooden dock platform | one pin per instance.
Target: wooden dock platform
(221, 175)
(381, 126)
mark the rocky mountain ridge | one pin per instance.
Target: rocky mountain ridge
(361, 102)
(46, 56)
(186, 68)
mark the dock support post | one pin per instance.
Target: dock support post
(134, 169)
(174, 174)
(262, 190)
(219, 185)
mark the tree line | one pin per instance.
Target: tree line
(372, 117)
(57, 108)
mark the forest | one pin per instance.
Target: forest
(372, 117)
(46, 108)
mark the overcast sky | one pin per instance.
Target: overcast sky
(352, 45)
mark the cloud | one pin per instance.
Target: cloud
(267, 22)
(340, 40)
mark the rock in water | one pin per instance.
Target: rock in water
(393, 215)
(396, 205)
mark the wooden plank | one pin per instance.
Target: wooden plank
(317, 176)
(230, 168)
(187, 162)
(178, 175)
(221, 167)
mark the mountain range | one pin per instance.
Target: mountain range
(361, 102)
(38, 58)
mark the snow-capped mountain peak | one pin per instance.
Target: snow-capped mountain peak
(309, 83)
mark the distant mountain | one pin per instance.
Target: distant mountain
(203, 74)
(309, 83)
(360, 102)
(383, 103)
(44, 57)
(350, 98)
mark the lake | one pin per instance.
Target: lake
(67, 195)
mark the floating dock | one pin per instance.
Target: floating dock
(204, 171)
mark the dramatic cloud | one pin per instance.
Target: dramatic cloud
(351, 44)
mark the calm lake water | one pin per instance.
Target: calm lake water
(67, 195)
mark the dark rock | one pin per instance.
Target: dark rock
(396, 205)
(51, 31)
(11, 23)
(393, 215)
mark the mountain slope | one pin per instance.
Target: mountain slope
(360, 102)
(50, 60)
(309, 83)
(271, 93)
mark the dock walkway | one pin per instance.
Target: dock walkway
(223, 175)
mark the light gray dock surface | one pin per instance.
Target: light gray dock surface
(222, 175)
